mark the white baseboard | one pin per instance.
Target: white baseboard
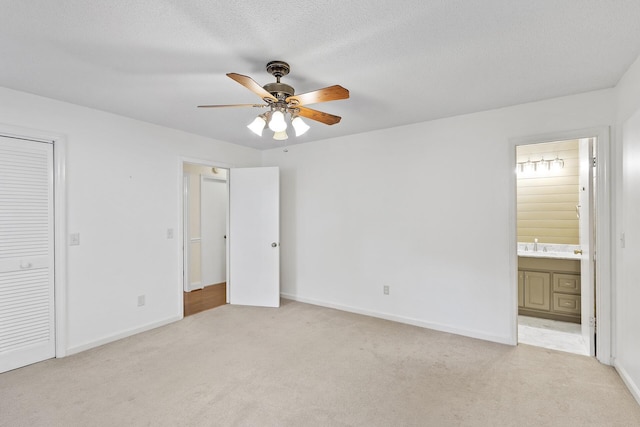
(402, 319)
(626, 378)
(120, 335)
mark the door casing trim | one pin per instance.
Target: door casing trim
(59, 143)
(603, 189)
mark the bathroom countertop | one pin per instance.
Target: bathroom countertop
(556, 255)
(548, 250)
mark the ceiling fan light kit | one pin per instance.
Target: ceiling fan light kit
(280, 136)
(277, 123)
(258, 124)
(281, 100)
(299, 125)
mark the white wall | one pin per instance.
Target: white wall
(427, 209)
(627, 298)
(123, 193)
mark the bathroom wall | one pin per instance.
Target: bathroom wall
(547, 197)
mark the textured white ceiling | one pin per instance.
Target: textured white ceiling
(404, 61)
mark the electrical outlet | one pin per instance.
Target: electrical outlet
(141, 300)
(385, 289)
(169, 233)
(74, 239)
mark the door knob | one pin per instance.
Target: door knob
(274, 244)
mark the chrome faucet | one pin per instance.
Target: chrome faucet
(535, 245)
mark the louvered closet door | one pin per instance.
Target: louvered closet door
(26, 253)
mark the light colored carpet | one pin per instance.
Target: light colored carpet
(302, 365)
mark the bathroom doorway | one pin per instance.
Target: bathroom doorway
(555, 222)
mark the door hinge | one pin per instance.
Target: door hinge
(594, 161)
(593, 323)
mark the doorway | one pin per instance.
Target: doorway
(555, 212)
(205, 225)
(252, 225)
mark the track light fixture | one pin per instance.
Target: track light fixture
(540, 166)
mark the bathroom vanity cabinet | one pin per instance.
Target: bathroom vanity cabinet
(549, 288)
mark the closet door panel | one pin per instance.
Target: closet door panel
(26, 253)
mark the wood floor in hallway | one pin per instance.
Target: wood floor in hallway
(203, 299)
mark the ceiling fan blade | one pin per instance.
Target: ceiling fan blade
(319, 116)
(232, 105)
(331, 93)
(251, 84)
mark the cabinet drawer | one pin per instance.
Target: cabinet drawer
(565, 303)
(568, 283)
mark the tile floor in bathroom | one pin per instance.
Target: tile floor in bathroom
(563, 336)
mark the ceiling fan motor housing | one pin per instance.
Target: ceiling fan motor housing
(278, 69)
(277, 89)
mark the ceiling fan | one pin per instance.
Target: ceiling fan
(281, 100)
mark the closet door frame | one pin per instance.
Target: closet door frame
(59, 223)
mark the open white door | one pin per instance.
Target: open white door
(585, 208)
(254, 236)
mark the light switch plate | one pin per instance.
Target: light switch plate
(74, 239)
